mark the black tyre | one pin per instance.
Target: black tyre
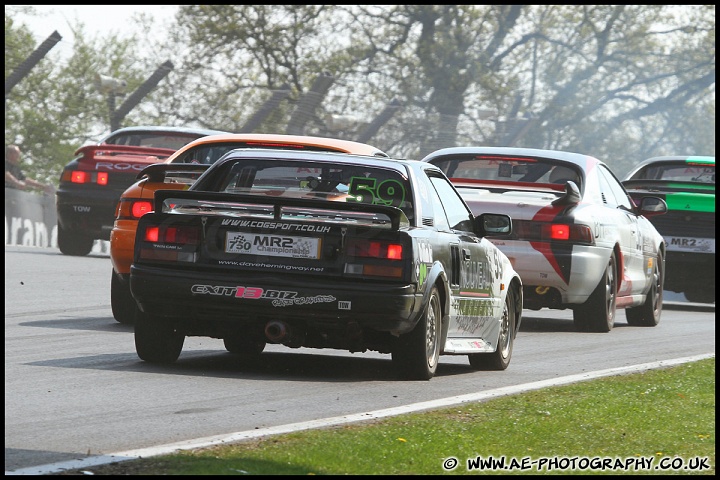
(648, 314)
(156, 341)
(700, 294)
(71, 243)
(500, 358)
(597, 314)
(121, 300)
(245, 345)
(417, 352)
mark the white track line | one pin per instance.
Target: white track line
(333, 421)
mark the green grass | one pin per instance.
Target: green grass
(659, 414)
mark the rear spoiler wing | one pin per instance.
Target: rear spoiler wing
(397, 217)
(110, 149)
(669, 186)
(157, 171)
(570, 196)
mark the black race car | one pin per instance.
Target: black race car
(325, 250)
(91, 184)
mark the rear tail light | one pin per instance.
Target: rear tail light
(549, 232)
(390, 253)
(133, 208)
(85, 176)
(375, 249)
(170, 244)
(172, 235)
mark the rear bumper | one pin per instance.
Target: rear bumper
(572, 272)
(688, 269)
(89, 212)
(209, 303)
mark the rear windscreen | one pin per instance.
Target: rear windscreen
(210, 153)
(509, 169)
(679, 172)
(174, 141)
(314, 180)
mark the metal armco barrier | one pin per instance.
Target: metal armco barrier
(31, 221)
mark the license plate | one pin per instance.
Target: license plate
(273, 245)
(691, 244)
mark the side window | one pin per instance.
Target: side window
(612, 184)
(457, 213)
(439, 215)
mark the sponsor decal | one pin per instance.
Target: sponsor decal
(472, 307)
(424, 260)
(476, 275)
(291, 268)
(120, 166)
(471, 324)
(164, 246)
(689, 244)
(279, 298)
(253, 293)
(291, 227)
(272, 245)
(474, 344)
(303, 300)
(470, 315)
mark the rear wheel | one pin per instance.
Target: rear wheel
(597, 314)
(417, 352)
(156, 341)
(72, 243)
(700, 294)
(121, 300)
(500, 358)
(648, 314)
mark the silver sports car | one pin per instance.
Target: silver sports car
(579, 241)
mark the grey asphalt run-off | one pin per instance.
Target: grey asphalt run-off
(334, 421)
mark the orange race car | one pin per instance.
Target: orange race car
(179, 171)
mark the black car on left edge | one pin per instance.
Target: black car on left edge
(325, 250)
(92, 182)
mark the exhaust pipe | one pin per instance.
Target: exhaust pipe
(277, 331)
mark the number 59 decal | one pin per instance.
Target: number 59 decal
(367, 190)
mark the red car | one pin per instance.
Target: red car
(91, 184)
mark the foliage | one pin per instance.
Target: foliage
(56, 109)
(619, 82)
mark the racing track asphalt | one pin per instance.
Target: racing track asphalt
(334, 421)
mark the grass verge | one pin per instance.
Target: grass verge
(657, 422)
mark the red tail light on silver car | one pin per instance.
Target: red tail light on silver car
(549, 232)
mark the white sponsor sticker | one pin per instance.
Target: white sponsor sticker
(272, 245)
(690, 244)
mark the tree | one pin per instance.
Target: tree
(619, 82)
(56, 109)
